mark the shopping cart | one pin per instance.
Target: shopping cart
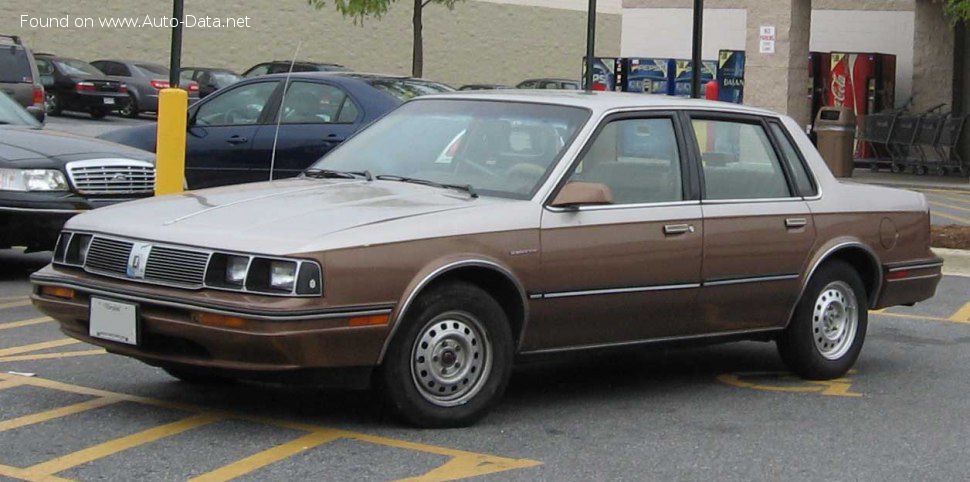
(947, 142)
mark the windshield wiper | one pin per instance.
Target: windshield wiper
(331, 174)
(461, 187)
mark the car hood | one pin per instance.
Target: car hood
(282, 217)
(24, 144)
(139, 137)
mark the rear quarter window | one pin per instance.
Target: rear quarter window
(14, 65)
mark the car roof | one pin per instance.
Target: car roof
(550, 79)
(597, 100)
(208, 69)
(351, 75)
(131, 62)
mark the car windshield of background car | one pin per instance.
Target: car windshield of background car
(73, 67)
(503, 149)
(12, 114)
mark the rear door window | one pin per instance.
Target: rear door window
(738, 161)
(14, 65)
(315, 103)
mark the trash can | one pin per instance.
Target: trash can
(835, 128)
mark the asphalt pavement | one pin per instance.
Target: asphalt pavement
(728, 412)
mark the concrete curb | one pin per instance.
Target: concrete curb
(956, 262)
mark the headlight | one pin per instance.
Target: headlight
(282, 275)
(236, 267)
(32, 180)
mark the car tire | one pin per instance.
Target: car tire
(826, 333)
(130, 109)
(197, 377)
(98, 112)
(451, 359)
(53, 103)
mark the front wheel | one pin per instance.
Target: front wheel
(825, 335)
(451, 359)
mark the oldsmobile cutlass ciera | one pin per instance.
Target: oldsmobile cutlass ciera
(463, 232)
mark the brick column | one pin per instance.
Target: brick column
(779, 81)
(932, 56)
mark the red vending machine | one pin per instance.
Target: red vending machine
(864, 82)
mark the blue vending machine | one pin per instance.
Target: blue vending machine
(607, 73)
(649, 75)
(684, 72)
(730, 76)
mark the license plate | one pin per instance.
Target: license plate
(114, 320)
(109, 100)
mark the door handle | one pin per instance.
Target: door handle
(237, 140)
(678, 228)
(792, 223)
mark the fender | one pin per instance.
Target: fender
(826, 252)
(429, 274)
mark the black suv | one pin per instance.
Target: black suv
(283, 66)
(18, 75)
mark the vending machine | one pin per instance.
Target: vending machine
(864, 82)
(684, 71)
(649, 75)
(607, 73)
(730, 75)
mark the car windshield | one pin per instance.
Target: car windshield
(14, 66)
(503, 149)
(11, 113)
(76, 67)
(152, 70)
(406, 89)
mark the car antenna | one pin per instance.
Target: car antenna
(279, 111)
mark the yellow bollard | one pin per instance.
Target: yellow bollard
(173, 105)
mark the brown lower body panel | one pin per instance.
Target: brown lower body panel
(903, 286)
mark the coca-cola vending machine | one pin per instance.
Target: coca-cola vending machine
(864, 82)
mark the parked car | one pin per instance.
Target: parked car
(558, 84)
(19, 77)
(463, 232)
(144, 80)
(46, 177)
(72, 84)
(484, 87)
(209, 79)
(232, 133)
(283, 66)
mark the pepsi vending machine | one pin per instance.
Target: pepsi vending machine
(607, 73)
(685, 71)
(730, 76)
(649, 75)
(864, 82)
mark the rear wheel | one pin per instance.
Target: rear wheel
(451, 359)
(131, 108)
(826, 334)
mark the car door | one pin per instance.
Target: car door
(627, 271)
(758, 229)
(221, 132)
(315, 117)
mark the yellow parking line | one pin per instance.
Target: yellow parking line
(37, 346)
(15, 304)
(950, 198)
(467, 466)
(950, 216)
(962, 315)
(266, 457)
(4, 299)
(914, 317)
(22, 323)
(947, 191)
(10, 383)
(951, 206)
(51, 356)
(120, 444)
(55, 413)
(17, 473)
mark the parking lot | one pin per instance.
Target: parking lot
(68, 411)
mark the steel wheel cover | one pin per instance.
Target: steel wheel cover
(835, 320)
(451, 359)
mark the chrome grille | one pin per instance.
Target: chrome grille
(177, 266)
(112, 176)
(108, 256)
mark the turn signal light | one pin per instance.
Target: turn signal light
(369, 320)
(222, 321)
(57, 292)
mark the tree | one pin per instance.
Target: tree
(360, 9)
(957, 10)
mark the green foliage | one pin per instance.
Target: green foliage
(957, 10)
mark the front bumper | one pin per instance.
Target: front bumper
(278, 346)
(34, 219)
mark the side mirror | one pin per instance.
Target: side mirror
(575, 194)
(38, 112)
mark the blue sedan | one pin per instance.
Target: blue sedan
(231, 133)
